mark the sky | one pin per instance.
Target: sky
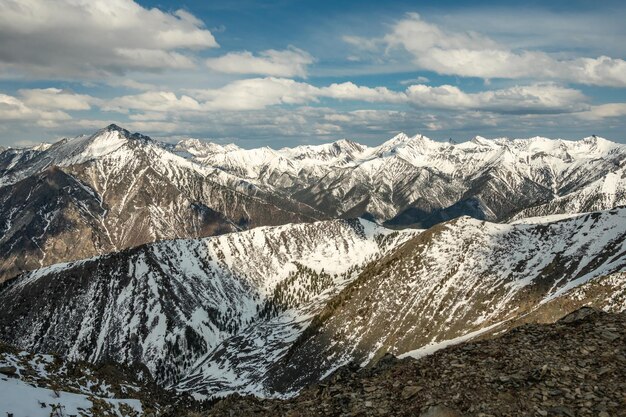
(285, 72)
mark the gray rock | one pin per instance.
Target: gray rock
(8, 370)
(441, 411)
(578, 315)
(410, 391)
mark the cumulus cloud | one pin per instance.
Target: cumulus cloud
(259, 93)
(351, 91)
(291, 62)
(80, 38)
(603, 111)
(471, 54)
(55, 98)
(530, 99)
(153, 101)
(14, 109)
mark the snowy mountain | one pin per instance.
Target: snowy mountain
(273, 284)
(270, 310)
(458, 280)
(417, 181)
(114, 190)
(168, 304)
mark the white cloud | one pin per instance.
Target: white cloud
(351, 91)
(152, 101)
(536, 98)
(291, 62)
(603, 111)
(257, 93)
(14, 109)
(55, 98)
(470, 54)
(260, 93)
(81, 38)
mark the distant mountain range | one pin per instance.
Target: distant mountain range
(113, 190)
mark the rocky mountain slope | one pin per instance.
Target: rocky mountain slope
(574, 367)
(491, 275)
(167, 304)
(271, 310)
(114, 190)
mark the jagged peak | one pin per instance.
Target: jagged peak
(348, 144)
(595, 140)
(202, 147)
(483, 141)
(400, 137)
(404, 139)
(41, 147)
(113, 127)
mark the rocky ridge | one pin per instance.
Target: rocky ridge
(168, 304)
(272, 310)
(114, 190)
(574, 367)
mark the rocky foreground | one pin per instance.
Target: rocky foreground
(574, 367)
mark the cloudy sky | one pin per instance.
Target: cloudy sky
(283, 72)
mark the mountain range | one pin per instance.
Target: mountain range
(253, 311)
(223, 270)
(114, 190)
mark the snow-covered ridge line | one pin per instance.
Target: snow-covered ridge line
(369, 230)
(167, 303)
(126, 189)
(458, 280)
(346, 151)
(218, 315)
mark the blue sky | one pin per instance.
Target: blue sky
(282, 73)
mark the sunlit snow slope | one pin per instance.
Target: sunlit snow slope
(168, 304)
(270, 310)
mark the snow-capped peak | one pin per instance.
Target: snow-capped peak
(42, 147)
(106, 141)
(202, 149)
(599, 144)
(482, 141)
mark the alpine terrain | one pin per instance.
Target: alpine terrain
(113, 190)
(140, 277)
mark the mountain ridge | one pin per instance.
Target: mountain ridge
(141, 190)
(290, 306)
